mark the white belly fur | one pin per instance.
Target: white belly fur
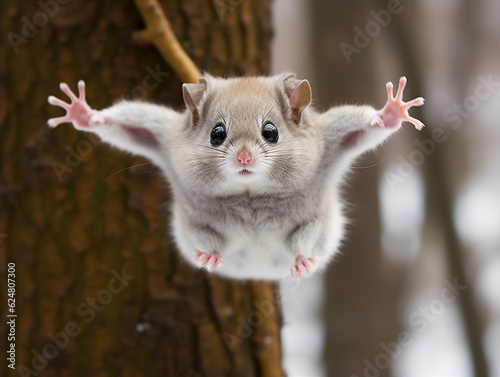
(259, 257)
(264, 255)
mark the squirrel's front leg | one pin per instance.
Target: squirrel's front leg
(395, 110)
(133, 126)
(78, 111)
(353, 130)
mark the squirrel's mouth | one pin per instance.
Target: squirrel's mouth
(245, 172)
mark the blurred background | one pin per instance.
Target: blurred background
(416, 289)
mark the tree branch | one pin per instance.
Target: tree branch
(159, 33)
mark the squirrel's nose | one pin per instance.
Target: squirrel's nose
(244, 157)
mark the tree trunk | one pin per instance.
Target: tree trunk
(362, 288)
(440, 202)
(100, 290)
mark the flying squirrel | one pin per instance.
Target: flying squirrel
(255, 170)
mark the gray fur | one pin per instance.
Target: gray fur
(289, 206)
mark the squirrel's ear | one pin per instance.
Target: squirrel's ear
(193, 94)
(299, 94)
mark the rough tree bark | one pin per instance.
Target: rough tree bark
(74, 228)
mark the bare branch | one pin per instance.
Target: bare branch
(159, 33)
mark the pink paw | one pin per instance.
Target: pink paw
(304, 266)
(210, 261)
(78, 111)
(395, 110)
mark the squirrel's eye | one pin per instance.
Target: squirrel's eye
(218, 134)
(270, 132)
